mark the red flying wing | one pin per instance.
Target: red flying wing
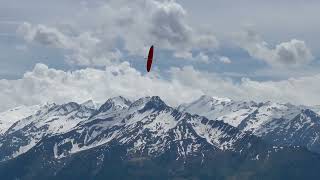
(150, 59)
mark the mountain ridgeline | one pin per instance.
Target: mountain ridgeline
(210, 138)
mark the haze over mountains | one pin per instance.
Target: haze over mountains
(211, 138)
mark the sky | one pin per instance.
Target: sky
(76, 50)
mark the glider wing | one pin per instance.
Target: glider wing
(150, 59)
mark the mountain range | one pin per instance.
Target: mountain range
(279, 124)
(210, 138)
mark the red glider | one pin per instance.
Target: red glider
(150, 59)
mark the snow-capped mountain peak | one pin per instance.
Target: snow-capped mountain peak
(116, 103)
(215, 99)
(67, 108)
(140, 102)
(8, 118)
(49, 120)
(207, 102)
(154, 103)
(90, 104)
(147, 103)
(247, 115)
(279, 123)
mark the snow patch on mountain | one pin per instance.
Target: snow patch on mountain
(8, 118)
(162, 123)
(24, 149)
(268, 112)
(51, 119)
(248, 116)
(224, 109)
(90, 104)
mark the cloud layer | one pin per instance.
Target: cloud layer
(44, 84)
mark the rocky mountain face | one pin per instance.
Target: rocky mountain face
(150, 140)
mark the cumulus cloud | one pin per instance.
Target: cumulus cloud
(108, 29)
(202, 57)
(44, 84)
(170, 28)
(83, 49)
(225, 60)
(44, 35)
(286, 54)
(184, 55)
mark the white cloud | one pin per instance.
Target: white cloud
(44, 35)
(83, 49)
(286, 54)
(98, 30)
(225, 60)
(303, 90)
(202, 57)
(44, 84)
(184, 55)
(170, 29)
